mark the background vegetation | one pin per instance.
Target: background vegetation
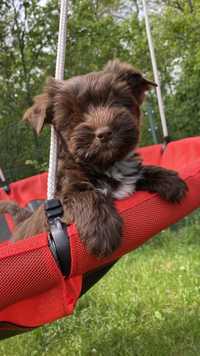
(97, 31)
(148, 305)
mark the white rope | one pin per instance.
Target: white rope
(59, 74)
(2, 177)
(155, 71)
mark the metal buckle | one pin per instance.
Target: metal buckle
(58, 238)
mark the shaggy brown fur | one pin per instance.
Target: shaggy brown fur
(97, 118)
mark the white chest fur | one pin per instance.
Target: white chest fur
(127, 173)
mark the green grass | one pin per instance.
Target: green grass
(147, 305)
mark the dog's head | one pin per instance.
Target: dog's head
(97, 115)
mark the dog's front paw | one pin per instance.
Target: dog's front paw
(172, 188)
(165, 182)
(96, 219)
(103, 236)
(106, 241)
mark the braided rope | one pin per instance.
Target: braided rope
(155, 70)
(59, 74)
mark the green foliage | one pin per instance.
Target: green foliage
(176, 35)
(97, 31)
(26, 58)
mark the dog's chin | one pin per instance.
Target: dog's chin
(95, 160)
(103, 157)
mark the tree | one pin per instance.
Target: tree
(26, 58)
(176, 36)
(97, 31)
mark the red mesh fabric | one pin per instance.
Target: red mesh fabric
(35, 271)
(32, 290)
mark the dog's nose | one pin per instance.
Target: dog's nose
(104, 133)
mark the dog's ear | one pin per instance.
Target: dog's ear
(42, 110)
(134, 78)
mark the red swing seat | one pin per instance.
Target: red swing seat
(32, 289)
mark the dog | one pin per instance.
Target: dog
(97, 119)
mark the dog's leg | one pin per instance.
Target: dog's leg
(165, 182)
(27, 223)
(96, 219)
(18, 214)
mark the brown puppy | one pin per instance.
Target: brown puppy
(97, 119)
